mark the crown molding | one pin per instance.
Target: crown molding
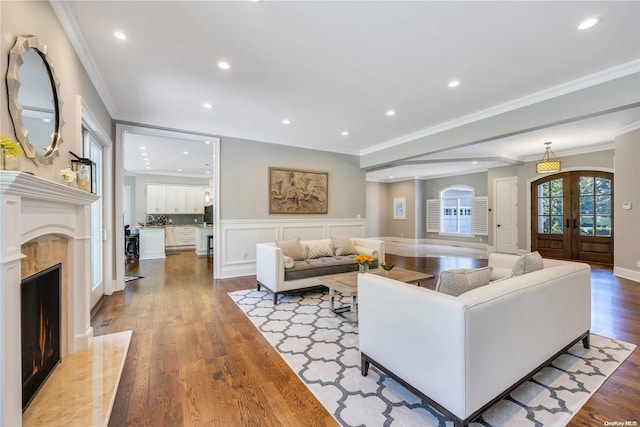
(72, 29)
(544, 95)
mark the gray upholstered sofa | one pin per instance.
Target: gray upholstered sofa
(462, 353)
(280, 273)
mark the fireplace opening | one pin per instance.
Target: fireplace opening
(40, 322)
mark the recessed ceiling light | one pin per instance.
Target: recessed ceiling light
(224, 65)
(207, 142)
(474, 163)
(46, 120)
(208, 171)
(345, 133)
(144, 154)
(147, 167)
(142, 148)
(454, 83)
(390, 176)
(587, 23)
(179, 170)
(391, 113)
(185, 152)
(286, 121)
(207, 105)
(120, 35)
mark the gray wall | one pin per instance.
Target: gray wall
(244, 179)
(626, 189)
(405, 228)
(431, 190)
(378, 209)
(37, 18)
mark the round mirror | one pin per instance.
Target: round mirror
(34, 102)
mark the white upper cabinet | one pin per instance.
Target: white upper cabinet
(175, 199)
(195, 200)
(156, 199)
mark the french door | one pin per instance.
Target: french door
(94, 151)
(572, 216)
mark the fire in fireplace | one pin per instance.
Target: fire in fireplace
(40, 322)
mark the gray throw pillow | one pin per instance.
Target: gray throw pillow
(343, 245)
(528, 263)
(291, 248)
(457, 282)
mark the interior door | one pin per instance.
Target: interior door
(572, 216)
(506, 218)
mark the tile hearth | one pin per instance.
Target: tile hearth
(81, 390)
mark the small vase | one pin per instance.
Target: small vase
(363, 268)
(9, 162)
(386, 272)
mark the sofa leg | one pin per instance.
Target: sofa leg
(586, 341)
(364, 365)
(275, 298)
(258, 285)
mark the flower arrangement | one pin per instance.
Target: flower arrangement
(10, 146)
(68, 175)
(363, 259)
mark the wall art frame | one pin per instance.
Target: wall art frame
(399, 211)
(294, 191)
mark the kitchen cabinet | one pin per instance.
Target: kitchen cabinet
(156, 199)
(176, 200)
(194, 197)
(180, 236)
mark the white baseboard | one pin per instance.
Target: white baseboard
(626, 273)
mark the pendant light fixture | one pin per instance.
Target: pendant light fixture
(548, 164)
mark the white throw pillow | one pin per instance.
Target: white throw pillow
(457, 282)
(528, 263)
(288, 262)
(343, 245)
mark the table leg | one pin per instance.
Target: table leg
(354, 307)
(331, 299)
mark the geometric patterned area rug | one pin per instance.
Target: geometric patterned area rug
(322, 349)
(131, 278)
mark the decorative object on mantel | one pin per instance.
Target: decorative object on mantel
(548, 164)
(69, 177)
(9, 152)
(363, 261)
(298, 192)
(86, 173)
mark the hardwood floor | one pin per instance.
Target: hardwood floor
(195, 359)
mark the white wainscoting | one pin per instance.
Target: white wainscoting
(239, 238)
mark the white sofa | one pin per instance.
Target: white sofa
(270, 265)
(462, 354)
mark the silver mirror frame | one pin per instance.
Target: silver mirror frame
(22, 46)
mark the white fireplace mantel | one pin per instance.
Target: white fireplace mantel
(31, 207)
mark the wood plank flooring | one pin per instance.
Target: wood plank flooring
(196, 360)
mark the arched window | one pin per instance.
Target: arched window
(458, 211)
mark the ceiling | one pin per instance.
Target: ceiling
(334, 67)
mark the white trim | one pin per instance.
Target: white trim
(628, 128)
(237, 239)
(626, 273)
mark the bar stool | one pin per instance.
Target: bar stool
(132, 246)
(210, 245)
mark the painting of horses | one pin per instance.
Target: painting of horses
(293, 191)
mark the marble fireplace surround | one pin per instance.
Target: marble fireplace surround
(32, 207)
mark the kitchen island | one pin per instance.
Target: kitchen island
(152, 242)
(202, 239)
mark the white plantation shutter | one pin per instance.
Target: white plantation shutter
(480, 216)
(433, 215)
